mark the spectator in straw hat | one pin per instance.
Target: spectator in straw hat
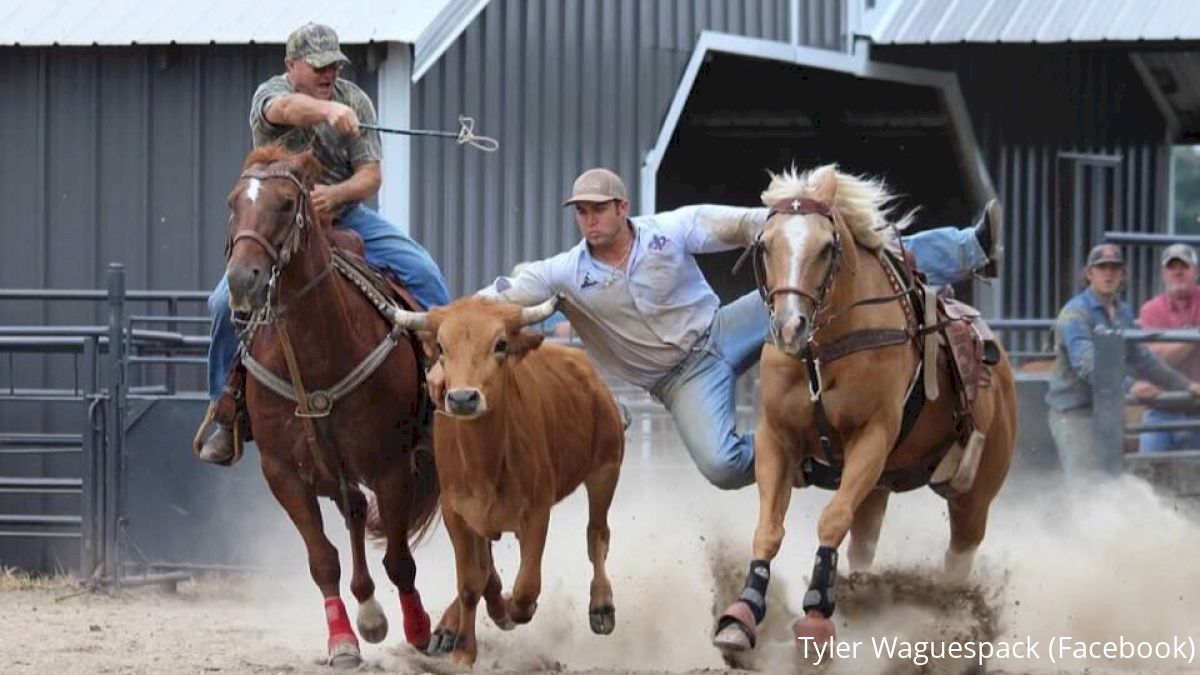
(1177, 307)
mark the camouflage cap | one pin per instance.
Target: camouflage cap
(317, 44)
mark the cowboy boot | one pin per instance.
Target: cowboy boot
(989, 230)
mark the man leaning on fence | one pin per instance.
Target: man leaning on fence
(1177, 307)
(1072, 420)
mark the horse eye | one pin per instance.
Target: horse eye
(501, 347)
(287, 205)
(827, 250)
(441, 352)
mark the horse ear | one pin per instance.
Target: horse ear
(308, 167)
(824, 181)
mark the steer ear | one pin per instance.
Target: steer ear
(524, 342)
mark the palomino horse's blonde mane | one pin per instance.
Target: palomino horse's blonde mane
(865, 204)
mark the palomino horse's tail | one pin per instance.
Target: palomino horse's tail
(425, 493)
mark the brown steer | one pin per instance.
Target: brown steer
(524, 423)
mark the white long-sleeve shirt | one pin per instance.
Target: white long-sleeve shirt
(640, 322)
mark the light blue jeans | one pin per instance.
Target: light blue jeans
(700, 392)
(946, 255)
(1166, 441)
(1074, 433)
(387, 248)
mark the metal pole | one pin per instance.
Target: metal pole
(114, 422)
(90, 467)
(1108, 400)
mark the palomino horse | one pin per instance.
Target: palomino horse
(316, 340)
(846, 351)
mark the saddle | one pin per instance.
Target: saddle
(960, 332)
(230, 408)
(948, 333)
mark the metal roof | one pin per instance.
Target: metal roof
(1035, 21)
(125, 22)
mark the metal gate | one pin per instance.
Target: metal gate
(96, 473)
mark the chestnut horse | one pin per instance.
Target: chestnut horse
(839, 419)
(322, 428)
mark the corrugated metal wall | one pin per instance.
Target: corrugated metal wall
(564, 87)
(1029, 104)
(125, 154)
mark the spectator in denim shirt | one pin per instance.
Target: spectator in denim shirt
(1070, 397)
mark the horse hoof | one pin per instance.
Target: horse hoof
(732, 638)
(736, 629)
(504, 622)
(372, 622)
(441, 643)
(813, 626)
(345, 656)
(603, 619)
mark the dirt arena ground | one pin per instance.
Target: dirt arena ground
(1120, 563)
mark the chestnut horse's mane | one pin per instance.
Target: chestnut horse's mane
(303, 165)
(865, 203)
(306, 167)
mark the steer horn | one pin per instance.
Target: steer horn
(538, 313)
(412, 321)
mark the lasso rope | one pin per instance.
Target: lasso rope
(465, 135)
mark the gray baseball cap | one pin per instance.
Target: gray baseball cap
(597, 185)
(1179, 252)
(317, 44)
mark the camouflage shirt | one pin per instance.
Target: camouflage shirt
(339, 155)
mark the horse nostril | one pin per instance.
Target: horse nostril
(794, 328)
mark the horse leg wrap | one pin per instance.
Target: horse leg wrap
(821, 595)
(754, 592)
(416, 620)
(339, 623)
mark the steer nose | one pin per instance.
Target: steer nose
(463, 401)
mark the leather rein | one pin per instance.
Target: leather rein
(814, 353)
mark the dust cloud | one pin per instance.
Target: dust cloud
(1116, 560)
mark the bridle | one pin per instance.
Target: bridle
(301, 221)
(756, 252)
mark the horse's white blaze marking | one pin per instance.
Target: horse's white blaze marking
(252, 189)
(797, 234)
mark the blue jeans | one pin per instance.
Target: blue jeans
(1166, 441)
(946, 254)
(387, 248)
(700, 391)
